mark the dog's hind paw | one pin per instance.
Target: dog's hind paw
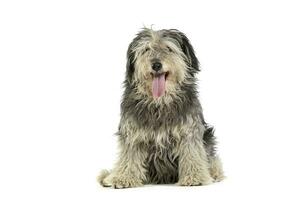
(104, 178)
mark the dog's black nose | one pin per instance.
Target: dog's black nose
(157, 66)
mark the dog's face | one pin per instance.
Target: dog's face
(159, 62)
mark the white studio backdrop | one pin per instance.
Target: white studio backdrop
(62, 65)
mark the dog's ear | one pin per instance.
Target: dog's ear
(189, 52)
(130, 68)
(187, 49)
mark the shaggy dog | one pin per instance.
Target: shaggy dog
(162, 134)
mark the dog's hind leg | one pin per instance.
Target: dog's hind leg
(104, 178)
(216, 169)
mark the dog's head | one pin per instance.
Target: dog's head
(159, 62)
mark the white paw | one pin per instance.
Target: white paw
(194, 180)
(123, 181)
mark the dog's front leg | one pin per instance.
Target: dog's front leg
(193, 162)
(129, 170)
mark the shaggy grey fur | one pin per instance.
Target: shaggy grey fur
(163, 140)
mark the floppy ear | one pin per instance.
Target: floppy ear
(130, 63)
(188, 50)
(130, 66)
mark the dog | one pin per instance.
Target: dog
(162, 135)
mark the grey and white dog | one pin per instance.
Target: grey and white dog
(163, 136)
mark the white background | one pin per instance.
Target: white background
(62, 64)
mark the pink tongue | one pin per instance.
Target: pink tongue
(159, 85)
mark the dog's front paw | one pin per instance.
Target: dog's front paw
(194, 180)
(124, 181)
